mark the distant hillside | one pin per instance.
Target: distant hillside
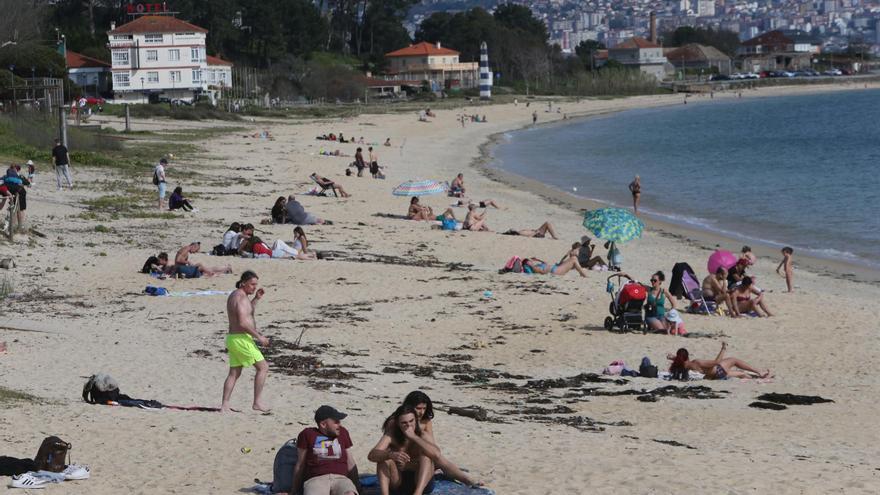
(428, 6)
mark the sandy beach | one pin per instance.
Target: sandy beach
(399, 306)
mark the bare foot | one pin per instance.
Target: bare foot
(261, 408)
(2, 347)
(766, 374)
(224, 408)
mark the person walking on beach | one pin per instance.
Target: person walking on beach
(786, 264)
(240, 340)
(159, 180)
(61, 159)
(534, 117)
(635, 187)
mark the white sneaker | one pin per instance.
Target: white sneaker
(76, 472)
(27, 481)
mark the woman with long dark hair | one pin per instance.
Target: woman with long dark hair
(404, 455)
(720, 368)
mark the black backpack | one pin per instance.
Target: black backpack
(647, 369)
(282, 469)
(220, 250)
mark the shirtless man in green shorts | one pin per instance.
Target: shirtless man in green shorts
(240, 340)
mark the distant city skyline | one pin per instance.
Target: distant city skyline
(834, 22)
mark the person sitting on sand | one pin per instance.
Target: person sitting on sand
(325, 464)
(342, 138)
(278, 210)
(537, 265)
(184, 268)
(429, 113)
(327, 183)
(178, 202)
(474, 221)
(156, 265)
(585, 254)
(255, 247)
(482, 204)
(748, 256)
(424, 409)
(457, 187)
(301, 245)
(715, 289)
(418, 212)
(296, 214)
(232, 237)
(658, 296)
(540, 232)
(387, 142)
(720, 368)
(615, 259)
(742, 297)
(404, 454)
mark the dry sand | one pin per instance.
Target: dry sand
(397, 296)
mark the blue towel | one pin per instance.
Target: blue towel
(442, 486)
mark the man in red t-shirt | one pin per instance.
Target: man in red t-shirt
(324, 465)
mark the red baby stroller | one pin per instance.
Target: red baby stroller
(626, 305)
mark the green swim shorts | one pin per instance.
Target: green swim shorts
(242, 350)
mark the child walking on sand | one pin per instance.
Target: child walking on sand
(787, 252)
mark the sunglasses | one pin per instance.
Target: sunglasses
(654, 280)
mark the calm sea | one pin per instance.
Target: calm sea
(797, 170)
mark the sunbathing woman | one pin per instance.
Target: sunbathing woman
(482, 204)
(424, 409)
(540, 232)
(325, 182)
(742, 297)
(540, 266)
(419, 212)
(720, 368)
(301, 245)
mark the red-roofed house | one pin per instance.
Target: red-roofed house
(433, 63)
(639, 53)
(161, 57)
(89, 73)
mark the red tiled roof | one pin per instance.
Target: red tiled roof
(421, 49)
(636, 42)
(79, 61)
(218, 61)
(157, 24)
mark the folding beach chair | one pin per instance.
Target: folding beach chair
(325, 185)
(694, 293)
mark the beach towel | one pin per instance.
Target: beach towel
(370, 486)
(162, 291)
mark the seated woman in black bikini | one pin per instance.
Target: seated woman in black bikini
(720, 368)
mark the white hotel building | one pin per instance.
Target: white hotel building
(164, 57)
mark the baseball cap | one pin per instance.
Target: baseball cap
(327, 412)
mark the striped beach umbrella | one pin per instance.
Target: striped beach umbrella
(420, 188)
(613, 224)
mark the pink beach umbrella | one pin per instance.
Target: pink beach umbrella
(721, 258)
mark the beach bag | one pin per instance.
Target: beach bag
(52, 455)
(101, 389)
(614, 369)
(282, 469)
(647, 369)
(514, 264)
(219, 250)
(156, 291)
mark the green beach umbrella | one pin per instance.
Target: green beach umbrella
(613, 224)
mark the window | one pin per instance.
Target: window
(194, 54)
(152, 55)
(120, 57)
(120, 79)
(152, 77)
(197, 75)
(175, 76)
(153, 38)
(174, 55)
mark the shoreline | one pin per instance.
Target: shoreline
(693, 236)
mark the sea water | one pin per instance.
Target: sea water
(797, 170)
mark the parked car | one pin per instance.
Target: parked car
(833, 72)
(847, 72)
(94, 100)
(719, 77)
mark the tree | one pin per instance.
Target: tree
(726, 41)
(585, 50)
(21, 21)
(520, 18)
